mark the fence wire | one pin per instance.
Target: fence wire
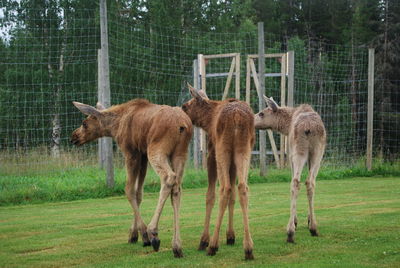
(48, 63)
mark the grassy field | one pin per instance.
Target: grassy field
(358, 222)
(88, 181)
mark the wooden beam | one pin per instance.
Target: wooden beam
(104, 87)
(218, 56)
(283, 104)
(272, 55)
(237, 76)
(370, 112)
(270, 134)
(228, 81)
(248, 80)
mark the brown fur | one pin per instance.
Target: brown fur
(144, 132)
(230, 128)
(307, 138)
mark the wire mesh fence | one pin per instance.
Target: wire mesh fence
(49, 61)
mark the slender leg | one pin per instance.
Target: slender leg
(132, 163)
(242, 161)
(315, 160)
(230, 233)
(225, 188)
(160, 164)
(298, 162)
(210, 198)
(178, 164)
(139, 196)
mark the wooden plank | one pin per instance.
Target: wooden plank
(203, 135)
(248, 80)
(270, 134)
(370, 112)
(290, 72)
(196, 132)
(217, 56)
(283, 104)
(237, 76)
(228, 81)
(261, 85)
(272, 55)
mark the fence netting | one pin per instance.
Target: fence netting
(46, 63)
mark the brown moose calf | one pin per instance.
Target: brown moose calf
(144, 132)
(230, 128)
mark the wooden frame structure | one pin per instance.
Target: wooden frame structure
(287, 70)
(200, 75)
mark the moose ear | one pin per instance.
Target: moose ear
(271, 103)
(87, 109)
(203, 94)
(196, 94)
(100, 106)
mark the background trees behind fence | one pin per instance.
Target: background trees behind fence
(48, 53)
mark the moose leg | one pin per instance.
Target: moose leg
(315, 160)
(298, 162)
(242, 161)
(168, 178)
(178, 164)
(133, 167)
(230, 233)
(210, 198)
(225, 188)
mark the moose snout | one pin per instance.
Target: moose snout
(75, 139)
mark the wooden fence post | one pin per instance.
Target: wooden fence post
(370, 113)
(196, 132)
(261, 104)
(104, 93)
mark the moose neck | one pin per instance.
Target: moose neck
(282, 120)
(204, 116)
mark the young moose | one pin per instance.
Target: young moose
(144, 132)
(307, 139)
(230, 128)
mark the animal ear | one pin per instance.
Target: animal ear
(196, 94)
(100, 106)
(271, 103)
(203, 94)
(87, 109)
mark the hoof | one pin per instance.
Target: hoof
(295, 223)
(146, 241)
(155, 242)
(230, 241)
(133, 239)
(212, 251)
(178, 253)
(248, 255)
(203, 245)
(290, 237)
(313, 232)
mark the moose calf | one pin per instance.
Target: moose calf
(144, 132)
(230, 128)
(307, 138)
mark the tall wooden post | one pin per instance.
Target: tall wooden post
(104, 93)
(203, 134)
(261, 104)
(196, 132)
(370, 113)
(290, 71)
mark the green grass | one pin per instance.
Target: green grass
(358, 221)
(88, 181)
